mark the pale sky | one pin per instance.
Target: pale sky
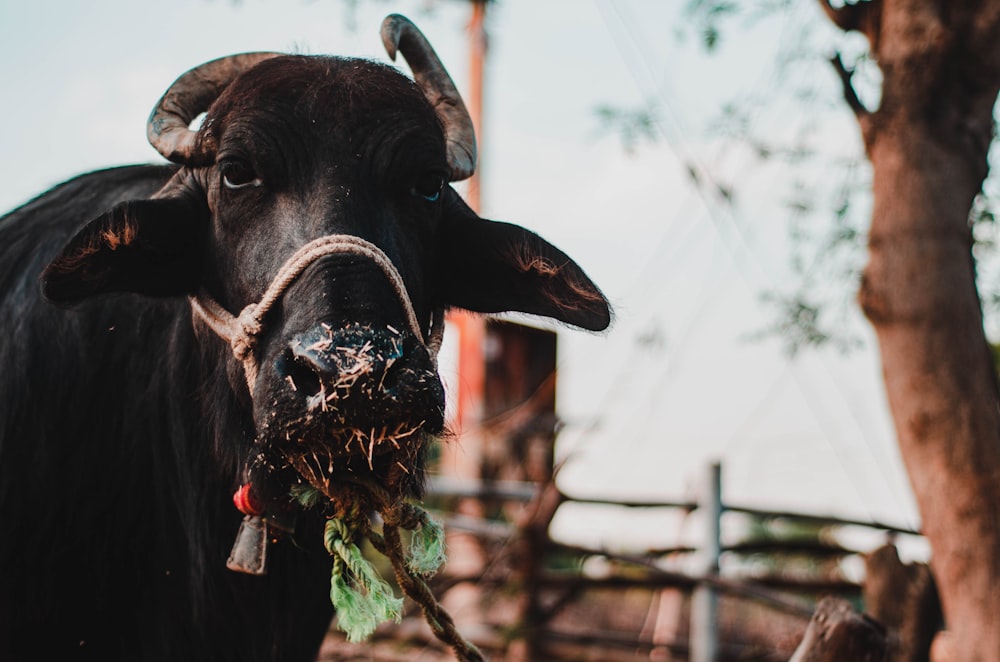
(677, 382)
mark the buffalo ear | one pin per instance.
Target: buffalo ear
(491, 267)
(145, 246)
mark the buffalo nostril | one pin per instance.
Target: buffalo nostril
(391, 374)
(303, 377)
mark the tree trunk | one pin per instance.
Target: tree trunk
(919, 292)
(927, 143)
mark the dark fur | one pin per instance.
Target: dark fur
(123, 432)
(119, 443)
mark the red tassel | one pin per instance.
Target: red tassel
(245, 502)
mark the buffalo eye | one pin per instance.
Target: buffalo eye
(428, 186)
(237, 174)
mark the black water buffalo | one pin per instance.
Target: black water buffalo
(263, 311)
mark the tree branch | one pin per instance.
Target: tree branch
(862, 113)
(863, 16)
(850, 95)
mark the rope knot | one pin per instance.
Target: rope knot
(248, 327)
(403, 515)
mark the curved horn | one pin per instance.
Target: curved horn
(190, 95)
(399, 33)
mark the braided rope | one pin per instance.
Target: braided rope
(440, 621)
(241, 331)
(361, 597)
(409, 569)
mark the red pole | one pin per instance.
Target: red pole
(472, 328)
(463, 460)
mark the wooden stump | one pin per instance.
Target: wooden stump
(837, 633)
(903, 598)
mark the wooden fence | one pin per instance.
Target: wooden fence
(540, 580)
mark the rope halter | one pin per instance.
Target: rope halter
(242, 331)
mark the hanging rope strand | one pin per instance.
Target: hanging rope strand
(414, 586)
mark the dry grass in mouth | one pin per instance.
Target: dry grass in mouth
(389, 455)
(323, 429)
(366, 415)
(349, 441)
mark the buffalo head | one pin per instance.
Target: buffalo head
(311, 224)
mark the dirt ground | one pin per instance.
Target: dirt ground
(601, 626)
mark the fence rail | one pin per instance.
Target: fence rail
(527, 532)
(523, 492)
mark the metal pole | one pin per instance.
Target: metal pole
(704, 601)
